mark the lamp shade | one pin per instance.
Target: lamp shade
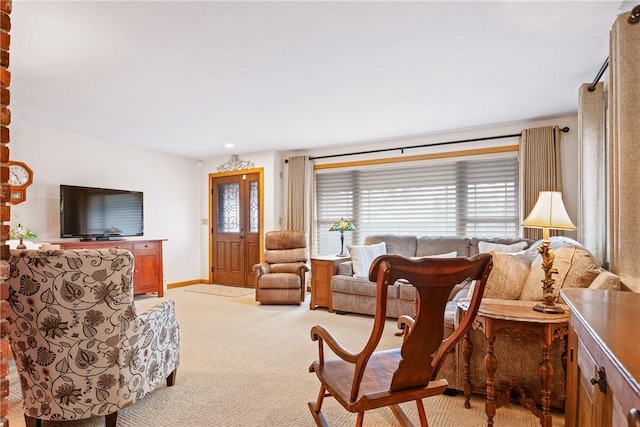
(342, 225)
(21, 232)
(549, 213)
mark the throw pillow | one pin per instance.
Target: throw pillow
(576, 269)
(362, 257)
(486, 247)
(508, 276)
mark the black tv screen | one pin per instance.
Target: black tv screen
(100, 213)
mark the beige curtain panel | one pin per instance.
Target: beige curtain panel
(297, 205)
(540, 170)
(592, 196)
(624, 150)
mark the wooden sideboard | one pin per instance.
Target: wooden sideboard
(148, 273)
(603, 358)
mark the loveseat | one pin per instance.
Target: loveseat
(516, 276)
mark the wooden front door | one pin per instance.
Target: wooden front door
(236, 219)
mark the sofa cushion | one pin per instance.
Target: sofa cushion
(487, 247)
(406, 291)
(396, 244)
(359, 286)
(442, 244)
(362, 257)
(474, 250)
(508, 276)
(576, 269)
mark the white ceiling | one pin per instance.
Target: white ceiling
(187, 77)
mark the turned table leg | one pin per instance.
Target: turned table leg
(545, 370)
(467, 350)
(490, 366)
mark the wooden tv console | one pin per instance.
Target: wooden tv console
(148, 275)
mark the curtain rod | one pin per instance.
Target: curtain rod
(436, 144)
(634, 18)
(592, 87)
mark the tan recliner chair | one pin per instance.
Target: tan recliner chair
(280, 279)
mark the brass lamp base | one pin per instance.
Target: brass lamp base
(543, 308)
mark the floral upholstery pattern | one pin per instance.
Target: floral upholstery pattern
(81, 348)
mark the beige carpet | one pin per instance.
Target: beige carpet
(243, 364)
(221, 290)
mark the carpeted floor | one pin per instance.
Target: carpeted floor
(221, 290)
(243, 364)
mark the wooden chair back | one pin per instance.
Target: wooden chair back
(424, 349)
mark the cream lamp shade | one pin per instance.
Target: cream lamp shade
(549, 213)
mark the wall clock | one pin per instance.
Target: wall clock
(20, 177)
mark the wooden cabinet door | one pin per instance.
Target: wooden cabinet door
(148, 271)
(592, 406)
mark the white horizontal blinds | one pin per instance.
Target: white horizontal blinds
(470, 197)
(334, 200)
(492, 198)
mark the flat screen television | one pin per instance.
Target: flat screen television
(100, 213)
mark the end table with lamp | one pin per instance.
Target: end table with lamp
(342, 225)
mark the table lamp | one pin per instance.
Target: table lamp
(548, 213)
(342, 225)
(19, 233)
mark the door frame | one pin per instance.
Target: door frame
(212, 176)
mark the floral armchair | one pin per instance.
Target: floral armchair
(81, 348)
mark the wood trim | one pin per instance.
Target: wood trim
(430, 156)
(187, 283)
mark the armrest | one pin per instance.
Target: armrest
(261, 268)
(157, 338)
(405, 324)
(160, 315)
(345, 269)
(321, 334)
(606, 280)
(303, 268)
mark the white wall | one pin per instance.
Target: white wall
(169, 183)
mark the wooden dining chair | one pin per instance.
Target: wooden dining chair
(374, 378)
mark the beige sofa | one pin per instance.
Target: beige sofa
(356, 294)
(515, 277)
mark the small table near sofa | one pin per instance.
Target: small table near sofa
(323, 267)
(515, 318)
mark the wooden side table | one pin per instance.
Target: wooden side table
(515, 318)
(322, 268)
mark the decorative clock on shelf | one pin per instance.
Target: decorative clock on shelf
(20, 177)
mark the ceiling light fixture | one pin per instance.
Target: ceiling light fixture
(228, 145)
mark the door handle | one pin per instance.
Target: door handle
(600, 379)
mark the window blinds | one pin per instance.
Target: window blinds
(470, 197)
